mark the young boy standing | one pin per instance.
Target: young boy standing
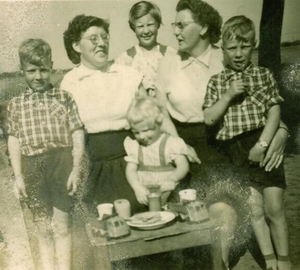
(244, 101)
(45, 144)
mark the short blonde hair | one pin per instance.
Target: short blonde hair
(144, 109)
(35, 52)
(237, 27)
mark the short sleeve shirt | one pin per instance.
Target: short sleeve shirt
(43, 120)
(247, 112)
(103, 98)
(183, 79)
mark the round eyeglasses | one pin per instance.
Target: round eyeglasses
(94, 39)
(181, 25)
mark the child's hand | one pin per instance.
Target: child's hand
(141, 194)
(237, 87)
(257, 154)
(73, 182)
(167, 185)
(20, 186)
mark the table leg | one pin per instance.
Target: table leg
(102, 258)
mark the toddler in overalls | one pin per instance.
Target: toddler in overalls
(153, 158)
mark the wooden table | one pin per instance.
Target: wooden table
(173, 236)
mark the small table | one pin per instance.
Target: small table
(173, 236)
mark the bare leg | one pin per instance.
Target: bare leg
(278, 226)
(261, 228)
(62, 239)
(45, 244)
(224, 218)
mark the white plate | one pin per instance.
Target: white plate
(165, 218)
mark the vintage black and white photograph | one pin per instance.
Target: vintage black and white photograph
(150, 135)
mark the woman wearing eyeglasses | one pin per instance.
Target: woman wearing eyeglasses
(181, 87)
(103, 92)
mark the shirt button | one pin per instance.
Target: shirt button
(243, 108)
(43, 122)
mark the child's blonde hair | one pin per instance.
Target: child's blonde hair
(35, 51)
(144, 109)
(237, 27)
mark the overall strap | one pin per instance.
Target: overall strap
(162, 49)
(131, 52)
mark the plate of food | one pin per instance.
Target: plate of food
(150, 220)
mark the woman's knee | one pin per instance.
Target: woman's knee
(60, 223)
(220, 210)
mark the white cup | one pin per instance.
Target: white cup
(122, 207)
(187, 195)
(104, 209)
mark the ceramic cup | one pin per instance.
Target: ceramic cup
(104, 209)
(122, 207)
(187, 195)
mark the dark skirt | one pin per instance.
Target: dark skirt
(106, 180)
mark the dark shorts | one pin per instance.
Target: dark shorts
(46, 178)
(238, 149)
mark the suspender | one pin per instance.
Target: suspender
(163, 167)
(132, 51)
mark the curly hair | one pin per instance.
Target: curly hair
(141, 9)
(204, 14)
(76, 28)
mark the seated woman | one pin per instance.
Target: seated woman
(145, 20)
(103, 94)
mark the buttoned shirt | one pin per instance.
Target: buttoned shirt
(43, 120)
(248, 111)
(183, 79)
(103, 98)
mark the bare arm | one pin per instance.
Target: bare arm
(78, 150)
(181, 170)
(140, 191)
(214, 113)
(16, 162)
(257, 152)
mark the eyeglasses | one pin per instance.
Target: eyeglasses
(181, 25)
(96, 38)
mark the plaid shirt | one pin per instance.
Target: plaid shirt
(43, 120)
(248, 111)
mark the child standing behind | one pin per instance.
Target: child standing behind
(154, 158)
(145, 20)
(43, 128)
(244, 101)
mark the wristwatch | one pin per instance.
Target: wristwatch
(263, 143)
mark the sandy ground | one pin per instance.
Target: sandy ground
(17, 255)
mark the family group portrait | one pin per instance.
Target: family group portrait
(150, 135)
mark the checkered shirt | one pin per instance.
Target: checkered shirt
(248, 111)
(43, 120)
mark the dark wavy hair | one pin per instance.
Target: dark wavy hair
(204, 14)
(76, 28)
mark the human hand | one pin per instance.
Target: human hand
(237, 87)
(274, 155)
(73, 182)
(192, 155)
(167, 185)
(19, 187)
(256, 155)
(141, 194)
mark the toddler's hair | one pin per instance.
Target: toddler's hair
(237, 27)
(141, 9)
(35, 52)
(144, 109)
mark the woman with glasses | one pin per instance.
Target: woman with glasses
(181, 87)
(145, 21)
(103, 92)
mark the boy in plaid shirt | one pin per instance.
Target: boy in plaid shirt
(45, 144)
(244, 101)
